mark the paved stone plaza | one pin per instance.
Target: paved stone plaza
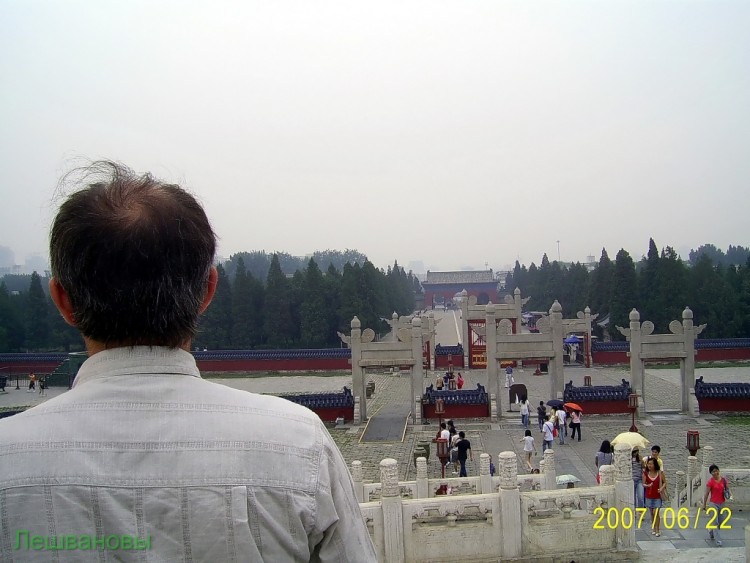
(668, 430)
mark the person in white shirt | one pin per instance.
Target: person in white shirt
(548, 428)
(142, 449)
(528, 449)
(525, 412)
(561, 428)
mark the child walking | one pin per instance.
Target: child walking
(528, 448)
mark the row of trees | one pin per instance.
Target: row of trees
(282, 302)
(659, 286)
(282, 310)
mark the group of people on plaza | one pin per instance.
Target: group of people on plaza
(459, 447)
(449, 381)
(556, 424)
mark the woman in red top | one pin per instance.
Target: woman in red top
(653, 483)
(716, 487)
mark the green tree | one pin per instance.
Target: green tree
(12, 333)
(278, 317)
(332, 301)
(247, 309)
(37, 318)
(314, 327)
(601, 286)
(624, 293)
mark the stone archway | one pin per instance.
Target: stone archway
(406, 349)
(502, 344)
(679, 345)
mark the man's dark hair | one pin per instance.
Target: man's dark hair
(134, 255)
(462, 434)
(656, 449)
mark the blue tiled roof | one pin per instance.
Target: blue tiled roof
(597, 392)
(721, 390)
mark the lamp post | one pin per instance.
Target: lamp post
(633, 406)
(693, 441)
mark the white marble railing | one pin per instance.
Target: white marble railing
(424, 487)
(499, 521)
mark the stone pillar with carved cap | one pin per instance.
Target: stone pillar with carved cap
(422, 480)
(358, 375)
(417, 370)
(556, 364)
(359, 486)
(548, 470)
(518, 310)
(624, 494)
(432, 333)
(510, 504)
(687, 373)
(490, 339)
(393, 518)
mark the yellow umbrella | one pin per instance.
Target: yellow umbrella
(633, 439)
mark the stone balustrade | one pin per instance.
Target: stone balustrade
(410, 522)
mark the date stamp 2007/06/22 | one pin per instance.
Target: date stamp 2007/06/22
(681, 519)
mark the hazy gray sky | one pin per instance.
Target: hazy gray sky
(455, 133)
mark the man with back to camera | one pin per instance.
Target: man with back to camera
(141, 449)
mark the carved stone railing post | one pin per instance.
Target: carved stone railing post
(485, 479)
(359, 486)
(510, 504)
(422, 482)
(693, 472)
(493, 406)
(393, 518)
(607, 475)
(549, 482)
(358, 374)
(624, 494)
(417, 410)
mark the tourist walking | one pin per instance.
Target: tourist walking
(459, 381)
(637, 466)
(525, 412)
(464, 449)
(32, 383)
(548, 428)
(575, 424)
(541, 414)
(654, 483)
(509, 376)
(562, 430)
(718, 491)
(439, 383)
(528, 448)
(603, 457)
